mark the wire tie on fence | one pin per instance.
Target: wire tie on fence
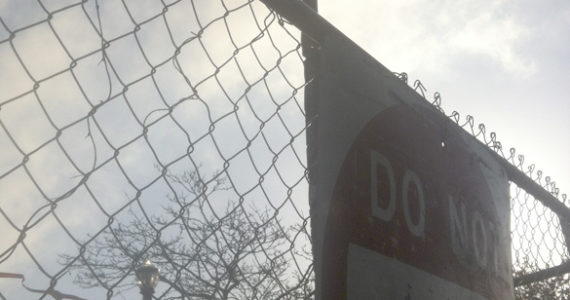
(418, 85)
(512, 152)
(226, 165)
(531, 169)
(456, 116)
(482, 129)
(437, 99)
(498, 146)
(82, 249)
(471, 123)
(198, 34)
(521, 159)
(94, 109)
(22, 235)
(84, 178)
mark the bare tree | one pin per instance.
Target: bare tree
(557, 287)
(242, 253)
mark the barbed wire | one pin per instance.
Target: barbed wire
(537, 236)
(172, 131)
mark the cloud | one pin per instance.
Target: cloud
(431, 31)
(81, 106)
(493, 36)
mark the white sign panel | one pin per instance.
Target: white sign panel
(373, 276)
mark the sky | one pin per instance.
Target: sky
(74, 152)
(503, 62)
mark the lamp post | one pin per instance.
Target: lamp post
(147, 279)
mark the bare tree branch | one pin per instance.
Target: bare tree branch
(231, 253)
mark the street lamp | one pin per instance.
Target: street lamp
(147, 279)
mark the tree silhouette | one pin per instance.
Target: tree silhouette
(242, 253)
(557, 287)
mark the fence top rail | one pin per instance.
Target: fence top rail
(317, 28)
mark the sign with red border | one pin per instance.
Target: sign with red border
(407, 205)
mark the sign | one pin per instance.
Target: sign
(405, 205)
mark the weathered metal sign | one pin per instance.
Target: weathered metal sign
(405, 205)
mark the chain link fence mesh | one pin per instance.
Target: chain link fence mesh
(172, 131)
(165, 130)
(538, 234)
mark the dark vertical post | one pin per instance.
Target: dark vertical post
(311, 63)
(310, 51)
(147, 293)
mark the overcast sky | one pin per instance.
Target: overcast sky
(193, 119)
(505, 62)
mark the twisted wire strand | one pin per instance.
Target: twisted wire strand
(173, 131)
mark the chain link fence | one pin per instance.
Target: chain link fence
(172, 131)
(539, 242)
(165, 130)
